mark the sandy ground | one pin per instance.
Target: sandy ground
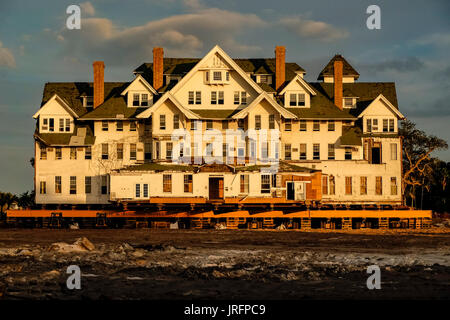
(224, 264)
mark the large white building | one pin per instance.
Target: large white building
(221, 130)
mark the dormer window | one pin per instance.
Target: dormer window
(144, 100)
(135, 99)
(217, 76)
(349, 102)
(88, 101)
(140, 100)
(265, 78)
(297, 99)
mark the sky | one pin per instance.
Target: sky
(411, 49)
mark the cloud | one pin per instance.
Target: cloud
(180, 35)
(6, 57)
(406, 64)
(87, 8)
(311, 29)
(435, 39)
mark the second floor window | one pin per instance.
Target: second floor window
(244, 183)
(73, 185)
(120, 151)
(162, 122)
(194, 97)
(331, 152)
(43, 153)
(188, 183)
(348, 153)
(104, 125)
(58, 153)
(257, 122)
(302, 151)
(331, 126)
(316, 151)
(105, 151)
(287, 125)
(176, 121)
(73, 153)
(167, 183)
(271, 121)
(58, 184)
(169, 150)
(133, 126)
(302, 125)
(88, 153)
(119, 126)
(287, 152)
(316, 125)
(132, 151)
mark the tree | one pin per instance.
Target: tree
(418, 165)
(26, 199)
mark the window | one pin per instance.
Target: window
(119, 125)
(43, 187)
(162, 122)
(348, 153)
(135, 99)
(43, 153)
(244, 183)
(87, 184)
(167, 183)
(363, 185)
(191, 97)
(188, 183)
(385, 125)
(287, 152)
(169, 150)
(393, 151)
(58, 153)
(263, 79)
(217, 75)
(221, 97)
(61, 125)
(393, 186)
(348, 102)
(44, 124)
(158, 150)
(316, 151)
(104, 151)
(138, 190)
(227, 76)
(198, 97)
(241, 124)
(378, 185)
(332, 185)
(119, 151)
(324, 185)
(145, 195)
(237, 97)
(209, 124)
(243, 97)
(148, 151)
(104, 125)
(391, 125)
(132, 151)
(348, 185)
(287, 125)
(331, 151)
(133, 126)
(88, 153)
(265, 183)
(104, 184)
(73, 153)
(297, 99)
(213, 97)
(209, 150)
(73, 185)
(144, 100)
(194, 124)
(302, 125)
(302, 151)
(265, 150)
(331, 125)
(89, 101)
(271, 121)
(207, 76)
(51, 127)
(316, 125)
(68, 125)
(176, 121)
(58, 184)
(147, 127)
(224, 125)
(257, 122)
(375, 125)
(369, 125)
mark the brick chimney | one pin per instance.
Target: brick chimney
(338, 70)
(158, 67)
(280, 57)
(99, 83)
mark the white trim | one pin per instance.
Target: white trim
(227, 58)
(167, 96)
(143, 81)
(61, 102)
(303, 83)
(386, 101)
(244, 112)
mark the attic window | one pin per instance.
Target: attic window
(348, 103)
(265, 79)
(88, 101)
(217, 76)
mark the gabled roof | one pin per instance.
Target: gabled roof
(387, 103)
(215, 113)
(181, 66)
(61, 102)
(328, 70)
(167, 96)
(302, 82)
(283, 111)
(140, 78)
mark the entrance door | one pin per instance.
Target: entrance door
(290, 190)
(215, 188)
(376, 155)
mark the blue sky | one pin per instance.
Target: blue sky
(411, 49)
